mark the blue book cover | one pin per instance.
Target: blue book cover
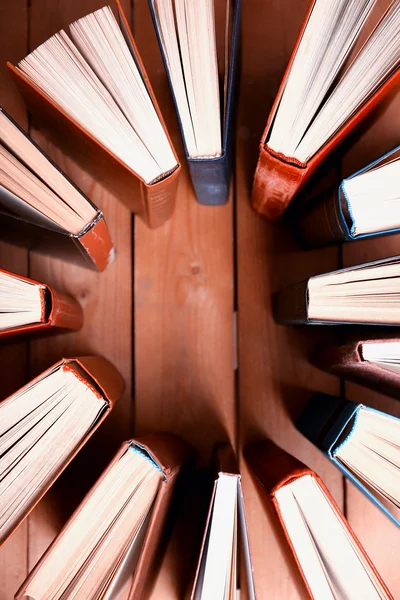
(336, 426)
(211, 176)
(332, 218)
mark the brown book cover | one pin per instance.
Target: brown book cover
(278, 178)
(59, 312)
(171, 454)
(347, 361)
(324, 222)
(275, 468)
(153, 202)
(104, 380)
(290, 306)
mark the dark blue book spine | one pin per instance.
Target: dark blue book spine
(211, 176)
(324, 420)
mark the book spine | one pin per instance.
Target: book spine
(324, 419)
(210, 178)
(338, 359)
(159, 199)
(64, 312)
(324, 224)
(273, 466)
(96, 244)
(346, 361)
(291, 304)
(276, 181)
(102, 374)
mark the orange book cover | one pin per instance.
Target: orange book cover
(278, 178)
(153, 202)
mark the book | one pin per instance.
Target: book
(345, 61)
(28, 306)
(225, 536)
(365, 205)
(366, 294)
(111, 542)
(330, 558)
(362, 442)
(90, 93)
(374, 363)
(44, 425)
(199, 45)
(41, 209)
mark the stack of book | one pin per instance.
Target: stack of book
(89, 92)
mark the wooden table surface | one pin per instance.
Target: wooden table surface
(185, 311)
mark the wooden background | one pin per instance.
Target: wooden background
(164, 312)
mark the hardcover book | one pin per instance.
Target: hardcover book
(330, 558)
(362, 442)
(225, 536)
(367, 294)
(41, 209)
(111, 543)
(28, 306)
(199, 44)
(374, 363)
(345, 61)
(91, 95)
(365, 205)
(44, 425)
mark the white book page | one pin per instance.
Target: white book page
(23, 185)
(384, 354)
(188, 37)
(374, 199)
(316, 101)
(100, 538)
(89, 92)
(330, 559)
(216, 569)
(20, 302)
(372, 453)
(367, 293)
(37, 162)
(40, 427)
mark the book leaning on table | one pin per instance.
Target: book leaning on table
(367, 294)
(44, 425)
(28, 307)
(331, 560)
(225, 537)
(367, 204)
(41, 209)
(362, 442)
(90, 93)
(345, 61)
(374, 363)
(111, 544)
(199, 45)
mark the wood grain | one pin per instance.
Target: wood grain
(275, 377)
(13, 356)
(183, 296)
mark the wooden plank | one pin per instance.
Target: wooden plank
(106, 301)
(379, 536)
(13, 357)
(275, 376)
(184, 378)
